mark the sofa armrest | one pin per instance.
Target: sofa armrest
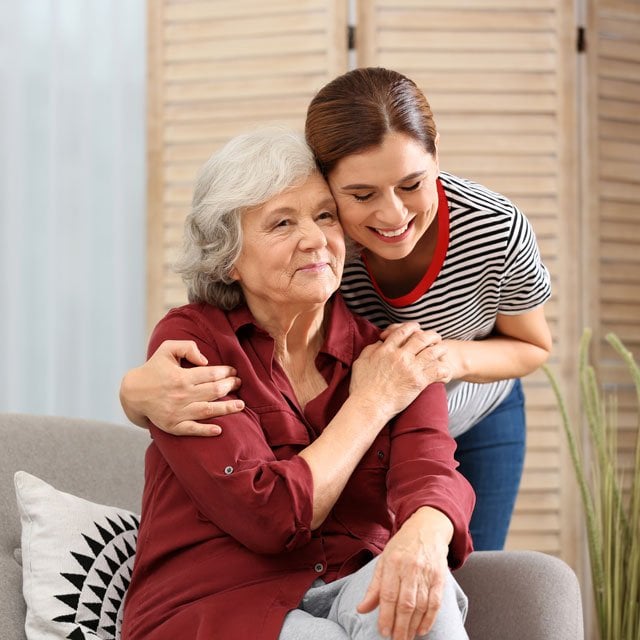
(12, 610)
(521, 594)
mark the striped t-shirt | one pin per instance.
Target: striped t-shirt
(486, 262)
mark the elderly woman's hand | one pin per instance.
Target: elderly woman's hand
(436, 363)
(172, 397)
(391, 373)
(410, 574)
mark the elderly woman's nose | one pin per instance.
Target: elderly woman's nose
(311, 235)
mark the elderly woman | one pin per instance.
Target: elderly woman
(331, 506)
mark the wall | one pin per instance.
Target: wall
(72, 203)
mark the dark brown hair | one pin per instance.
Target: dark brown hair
(354, 112)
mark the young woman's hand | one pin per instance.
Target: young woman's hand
(173, 397)
(393, 371)
(410, 574)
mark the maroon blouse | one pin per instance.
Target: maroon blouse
(225, 547)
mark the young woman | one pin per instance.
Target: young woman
(436, 249)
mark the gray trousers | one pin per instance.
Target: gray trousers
(328, 612)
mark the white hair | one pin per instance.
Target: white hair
(248, 171)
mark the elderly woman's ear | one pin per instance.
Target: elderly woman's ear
(234, 273)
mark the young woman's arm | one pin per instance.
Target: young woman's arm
(520, 344)
(174, 398)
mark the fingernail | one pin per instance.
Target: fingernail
(238, 404)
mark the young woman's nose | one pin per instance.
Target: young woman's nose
(393, 211)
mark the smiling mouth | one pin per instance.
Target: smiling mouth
(393, 233)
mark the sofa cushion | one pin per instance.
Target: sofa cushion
(77, 558)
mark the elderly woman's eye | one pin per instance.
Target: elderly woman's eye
(285, 222)
(327, 215)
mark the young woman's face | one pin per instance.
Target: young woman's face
(387, 196)
(293, 248)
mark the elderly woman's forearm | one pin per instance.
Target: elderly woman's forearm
(334, 455)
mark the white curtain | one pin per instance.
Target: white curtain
(72, 188)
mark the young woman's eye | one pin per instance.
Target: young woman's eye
(362, 197)
(412, 187)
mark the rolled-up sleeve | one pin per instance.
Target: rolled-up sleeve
(234, 480)
(423, 470)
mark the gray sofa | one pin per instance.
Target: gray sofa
(524, 595)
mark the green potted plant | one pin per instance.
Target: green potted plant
(610, 500)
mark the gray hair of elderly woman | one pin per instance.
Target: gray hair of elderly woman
(248, 171)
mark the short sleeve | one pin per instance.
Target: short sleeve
(526, 284)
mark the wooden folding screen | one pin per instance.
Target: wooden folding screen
(519, 109)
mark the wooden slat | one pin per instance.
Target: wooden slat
(502, 20)
(486, 5)
(434, 39)
(245, 48)
(468, 82)
(227, 27)
(230, 90)
(534, 62)
(225, 9)
(277, 65)
(494, 122)
(460, 141)
(501, 164)
(269, 108)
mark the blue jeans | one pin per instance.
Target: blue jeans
(491, 457)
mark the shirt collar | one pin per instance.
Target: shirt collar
(340, 330)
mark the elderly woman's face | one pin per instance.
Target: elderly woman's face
(293, 247)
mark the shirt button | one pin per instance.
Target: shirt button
(319, 568)
(381, 454)
(228, 470)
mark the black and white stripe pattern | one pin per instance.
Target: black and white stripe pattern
(492, 265)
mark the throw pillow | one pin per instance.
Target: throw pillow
(77, 559)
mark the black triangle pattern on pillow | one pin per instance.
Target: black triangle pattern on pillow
(105, 560)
